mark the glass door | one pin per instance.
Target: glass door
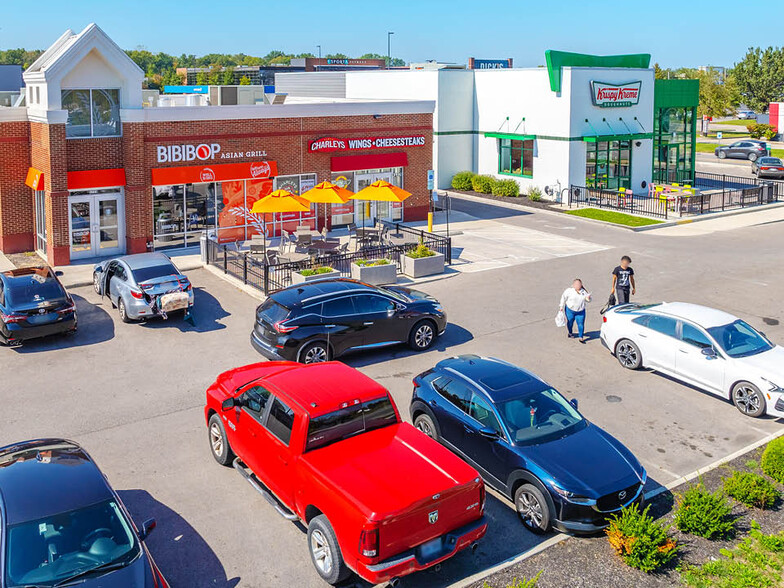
(366, 212)
(96, 224)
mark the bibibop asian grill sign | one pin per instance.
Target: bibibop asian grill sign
(606, 95)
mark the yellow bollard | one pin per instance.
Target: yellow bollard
(429, 222)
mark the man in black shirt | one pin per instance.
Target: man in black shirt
(623, 280)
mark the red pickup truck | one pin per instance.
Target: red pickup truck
(324, 444)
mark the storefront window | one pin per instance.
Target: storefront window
(608, 164)
(40, 220)
(673, 144)
(516, 157)
(92, 113)
(168, 208)
(342, 214)
(289, 221)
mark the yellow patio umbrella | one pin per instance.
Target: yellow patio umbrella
(381, 191)
(280, 201)
(327, 193)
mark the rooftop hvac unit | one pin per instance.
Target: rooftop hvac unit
(274, 98)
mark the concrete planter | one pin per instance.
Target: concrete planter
(375, 274)
(423, 266)
(298, 278)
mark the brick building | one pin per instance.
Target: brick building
(85, 171)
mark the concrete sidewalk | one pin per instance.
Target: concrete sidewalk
(81, 274)
(5, 263)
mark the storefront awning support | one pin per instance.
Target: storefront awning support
(624, 124)
(522, 120)
(506, 122)
(639, 123)
(609, 126)
(595, 132)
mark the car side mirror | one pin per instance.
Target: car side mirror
(58, 273)
(147, 527)
(229, 403)
(488, 433)
(574, 403)
(709, 352)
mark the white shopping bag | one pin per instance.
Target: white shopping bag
(560, 318)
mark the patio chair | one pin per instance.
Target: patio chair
(271, 257)
(304, 240)
(258, 245)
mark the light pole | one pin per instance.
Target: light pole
(389, 48)
(319, 48)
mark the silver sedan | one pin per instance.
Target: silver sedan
(143, 285)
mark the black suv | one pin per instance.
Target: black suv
(320, 320)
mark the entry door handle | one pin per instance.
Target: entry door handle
(283, 459)
(643, 335)
(329, 326)
(433, 403)
(367, 324)
(683, 350)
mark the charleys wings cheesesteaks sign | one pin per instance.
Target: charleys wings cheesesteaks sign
(327, 144)
(615, 95)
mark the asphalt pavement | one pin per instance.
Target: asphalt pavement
(133, 394)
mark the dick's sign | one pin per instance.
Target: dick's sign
(606, 95)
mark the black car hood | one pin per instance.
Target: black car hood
(137, 574)
(588, 462)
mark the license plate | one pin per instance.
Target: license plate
(430, 548)
(42, 319)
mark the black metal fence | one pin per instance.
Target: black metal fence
(253, 271)
(715, 193)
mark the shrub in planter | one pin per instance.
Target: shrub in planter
(462, 180)
(506, 188)
(642, 542)
(703, 513)
(483, 184)
(751, 489)
(534, 194)
(772, 461)
(422, 261)
(421, 251)
(374, 271)
(315, 273)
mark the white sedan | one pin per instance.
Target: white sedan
(707, 348)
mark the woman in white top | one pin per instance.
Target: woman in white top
(573, 304)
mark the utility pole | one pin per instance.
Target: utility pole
(319, 49)
(389, 48)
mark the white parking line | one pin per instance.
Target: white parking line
(546, 544)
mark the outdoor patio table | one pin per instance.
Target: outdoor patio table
(313, 234)
(320, 246)
(364, 232)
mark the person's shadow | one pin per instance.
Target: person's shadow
(183, 556)
(204, 316)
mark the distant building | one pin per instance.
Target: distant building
(10, 84)
(720, 70)
(433, 65)
(332, 64)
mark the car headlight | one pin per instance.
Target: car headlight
(438, 308)
(574, 498)
(775, 388)
(643, 477)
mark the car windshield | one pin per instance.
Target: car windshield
(48, 551)
(540, 417)
(740, 339)
(349, 421)
(396, 295)
(35, 286)
(272, 312)
(143, 274)
(770, 161)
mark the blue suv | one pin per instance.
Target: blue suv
(528, 442)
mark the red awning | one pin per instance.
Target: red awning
(256, 170)
(96, 178)
(35, 179)
(372, 161)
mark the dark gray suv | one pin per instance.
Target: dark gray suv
(750, 149)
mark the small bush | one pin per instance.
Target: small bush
(462, 180)
(703, 513)
(534, 194)
(773, 460)
(751, 489)
(371, 262)
(483, 184)
(421, 251)
(506, 188)
(641, 542)
(316, 271)
(759, 130)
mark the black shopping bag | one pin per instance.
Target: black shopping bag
(610, 303)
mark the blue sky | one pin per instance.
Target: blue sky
(676, 33)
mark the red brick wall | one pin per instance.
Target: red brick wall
(98, 153)
(16, 199)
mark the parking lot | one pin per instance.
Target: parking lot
(133, 394)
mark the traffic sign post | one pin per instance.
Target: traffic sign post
(431, 176)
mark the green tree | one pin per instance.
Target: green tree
(245, 81)
(213, 78)
(394, 62)
(170, 78)
(202, 79)
(336, 56)
(759, 77)
(227, 77)
(718, 97)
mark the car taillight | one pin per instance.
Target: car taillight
(482, 497)
(186, 285)
(12, 318)
(136, 294)
(416, 383)
(282, 327)
(66, 309)
(368, 543)
(764, 168)
(604, 318)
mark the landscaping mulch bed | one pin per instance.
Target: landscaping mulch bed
(522, 200)
(29, 259)
(591, 562)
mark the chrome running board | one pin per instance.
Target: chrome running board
(251, 479)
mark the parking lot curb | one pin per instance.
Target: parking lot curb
(499, 567)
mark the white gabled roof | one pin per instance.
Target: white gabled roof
(72, 45)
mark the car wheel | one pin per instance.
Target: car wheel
(425, 424)
(96, 283)
(722, 155)
(325, 551)
(752, 157)
(422, 336)
(532, 508)
(314, 353)
(123, 313)
(219, 443)
(748, 399)
(628, 354)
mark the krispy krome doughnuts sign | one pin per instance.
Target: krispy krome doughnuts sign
(327, 144)
(614, 95)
